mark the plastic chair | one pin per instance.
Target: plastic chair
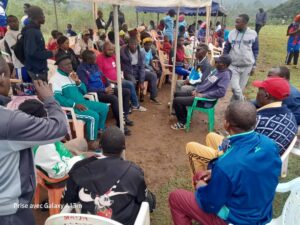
(214, 51)
(82, 219)
(165, 67)
(210, 112)
(78, 125)
(285, 157)
(290, 213)
(68, 218)
(54, 187)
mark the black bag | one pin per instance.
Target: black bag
(18, 48)
(151, 199)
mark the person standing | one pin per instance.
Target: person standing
(70, 32)
(293, 45)
(25, 19)
(261, 20)
(99, 21)
(121, 19)
(169, 25)
(36, 54)
(10, 39)
(242, 46)
(3, 18)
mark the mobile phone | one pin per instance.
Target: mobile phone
(23, 89)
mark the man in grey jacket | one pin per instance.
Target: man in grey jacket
(261, 20)
(19, 132)
(242, 46)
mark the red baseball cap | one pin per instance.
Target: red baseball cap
(277, 87)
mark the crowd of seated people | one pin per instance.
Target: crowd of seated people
(113, 187)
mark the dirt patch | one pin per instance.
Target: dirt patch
(155, 147)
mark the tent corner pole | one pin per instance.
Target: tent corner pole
(195, 35)
(55, 13)
(174, 76)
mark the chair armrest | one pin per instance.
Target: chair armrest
(289, 186)
(204, 99)
(92, 96)
(143, 216)
(15, 81)
(48, 179)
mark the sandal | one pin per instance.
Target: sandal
(178, 126)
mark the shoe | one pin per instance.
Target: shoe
(128, 122)
(178, 126)
(155, 101)
(127, 132)
(139, 108)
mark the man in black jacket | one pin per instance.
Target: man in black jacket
(108, 186)
(35, 52)
(133, 66)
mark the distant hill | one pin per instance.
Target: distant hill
(286, 10)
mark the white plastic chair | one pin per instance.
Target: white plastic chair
(67, 218)
(214, 51)
(291, 210)
(285, 157)
(82, 219)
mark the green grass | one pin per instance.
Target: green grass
(272, 53)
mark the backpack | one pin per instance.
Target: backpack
(18, 48)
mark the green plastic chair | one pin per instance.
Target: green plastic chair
(209, 111)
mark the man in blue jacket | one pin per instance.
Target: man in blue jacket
(89, 73)
(213, 87)
(35, 52)
(241, 186)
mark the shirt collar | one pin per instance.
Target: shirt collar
(62, 73)
(271, 105)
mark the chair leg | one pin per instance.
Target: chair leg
(54, 196)
(162, 80)
(284, 167)
(37, 194)
(211, 120)
(189, 118)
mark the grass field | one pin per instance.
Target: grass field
(272, 53)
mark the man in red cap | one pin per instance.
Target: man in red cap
(274, 120)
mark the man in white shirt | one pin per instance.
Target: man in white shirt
(85, 43)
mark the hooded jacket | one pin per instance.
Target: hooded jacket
(242, 46)
(19, 132)
(36, 54)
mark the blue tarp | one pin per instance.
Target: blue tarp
(215, 10)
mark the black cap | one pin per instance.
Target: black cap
(113, 140)
(61, 58)
(172, 12)
(226, 59)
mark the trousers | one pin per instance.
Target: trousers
(94, 117)
(113, 100)
(200, 155)
(239, 80)
(184, 209)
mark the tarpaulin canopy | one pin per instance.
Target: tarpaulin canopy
(216, 9)
(158, 3)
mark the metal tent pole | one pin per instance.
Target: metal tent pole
(174, 77)
(195, 36)
(118, 62)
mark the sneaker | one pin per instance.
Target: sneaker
(178, 126)
(139, 108)
(127, 132)
(155, 101)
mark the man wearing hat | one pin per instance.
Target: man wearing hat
(112, 187)
(213, 87)
(85, 43)
(69, 91)
(273, 120)
(35, 52)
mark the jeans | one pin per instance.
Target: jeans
(258, 27)
(113, 100)
(290, 56)
(133, 96)
(149, 76)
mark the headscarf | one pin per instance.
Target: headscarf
(147, 39)
(297, 18)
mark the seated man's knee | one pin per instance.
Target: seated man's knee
(190, 147)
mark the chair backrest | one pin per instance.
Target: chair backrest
(163, 58)
(82, 219)
(52, 68)
(214, 51)
(291, 209)
(143, 218)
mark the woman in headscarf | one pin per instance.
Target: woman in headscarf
(293, 45)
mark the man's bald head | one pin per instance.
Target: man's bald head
(108, 49)
(241, 116)
(281, 71)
